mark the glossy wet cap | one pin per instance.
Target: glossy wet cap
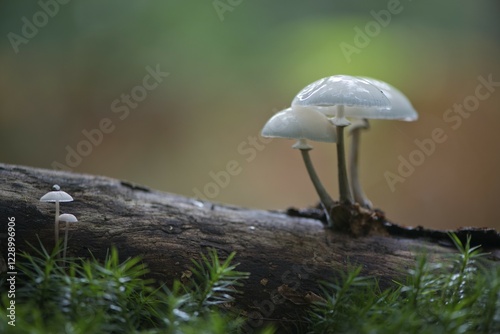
(401, 108)
(300, 123)
(327, 93)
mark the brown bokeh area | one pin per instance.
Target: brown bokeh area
(230, 69)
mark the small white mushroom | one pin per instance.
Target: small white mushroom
(401, 109)
(56, 196)
(304, 123)
(66, 218)
(300, 123)
(332, 96)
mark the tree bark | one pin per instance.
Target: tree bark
(286, 253)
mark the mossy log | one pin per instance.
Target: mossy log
(285, 252)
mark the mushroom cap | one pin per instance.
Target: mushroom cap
(67, 218)
(56, 196)
(300, 123)
(327, 93)
(401, 108)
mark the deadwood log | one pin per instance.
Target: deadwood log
(286, 253)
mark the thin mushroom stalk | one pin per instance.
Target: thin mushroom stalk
(357, 189)
(304, 123)
(67, 218)
(65, 240)
(56, 227)
(326, 200)
(341, 122)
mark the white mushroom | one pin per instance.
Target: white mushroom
(304, 123)
(57, 195)
(401, 109)
(333, 96)
(66, 218)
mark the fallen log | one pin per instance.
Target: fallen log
(285, 252)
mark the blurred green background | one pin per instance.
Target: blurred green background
(232, 65)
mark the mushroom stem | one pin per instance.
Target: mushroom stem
(65, 241)
(344, 190)
(357, 190)
(325, 199)
(56, 228)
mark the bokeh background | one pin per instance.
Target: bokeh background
(232, 65)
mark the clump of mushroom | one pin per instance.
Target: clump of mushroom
(331, 96)
(338, 97)
(304, 124)
(56, 196)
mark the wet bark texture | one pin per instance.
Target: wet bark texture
(286, 253)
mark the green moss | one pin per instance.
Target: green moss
(86, 296)
(459, 296)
